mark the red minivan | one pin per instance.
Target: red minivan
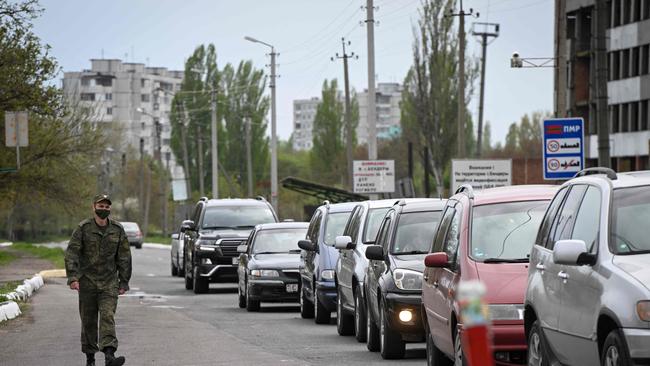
(486, 236)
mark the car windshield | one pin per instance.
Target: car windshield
(130, 226)
(373, 221)
(335, 224)
(505, 231)
(630, 215)
(278, 240)
(236, 217)
(415, 232)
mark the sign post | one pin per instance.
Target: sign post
(374, 176)
(16, 132)
(563, 147)
(480, 174)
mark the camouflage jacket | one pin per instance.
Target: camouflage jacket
(103, 258)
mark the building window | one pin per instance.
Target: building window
(634, 116)
(615, 118)
(625, 117)
(89, 97)
(636, 14)
(645, 57)
(627, 10)
(105, 81)
(635, 61)
(625, 64)
(646, 9)
(156, 106)
(109, 110)
(109, 96)
(297, 126)
(616, 13)
(143, 83)
(144, 98)
(644, 115)
(85, 81)
(615, 65)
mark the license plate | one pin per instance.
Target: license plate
(292, 287)
(235, 260)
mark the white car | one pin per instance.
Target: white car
(177, 252)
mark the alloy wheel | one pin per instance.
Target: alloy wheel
(458, 350)
(535, 350)
(382, 329)
(612, 356)
(357, 315)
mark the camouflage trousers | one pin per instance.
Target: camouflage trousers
(97, 306)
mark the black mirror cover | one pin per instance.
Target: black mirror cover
(307, 245)
(375, 252)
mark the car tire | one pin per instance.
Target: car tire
(344, 322)
(459, 355)
(435, 357)
(321, 314)
(201, 285)
(614, 351)
(241, 297)
(138, 246)
(391, 345)
(189, 284)
(306, 307)
(174, 270)
(537, 354)
(372, 333)
(360, 328)
(252, 305)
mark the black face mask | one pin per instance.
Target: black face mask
(102, 213)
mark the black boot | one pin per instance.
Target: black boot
(90, 359)
(111, 360)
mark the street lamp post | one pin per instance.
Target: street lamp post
(274, 152)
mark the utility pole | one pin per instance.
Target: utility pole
(141, 193)
(348, 111)
(372, 109)
(165, 198)
(199, 144)
(124, 189)
(186, 158)
(274, 137)
(215, 177)
(427, 190)
(145, 220)
(249, 157)
(484, 35)
(461, 78)
(601, 21)
(560, 59)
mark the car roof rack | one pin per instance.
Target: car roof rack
(610, 173)
(326, 203)
(401, 202)
(466, 188)
(260, 198)
(204, 199)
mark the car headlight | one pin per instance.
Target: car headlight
(264, 273)
(643, 309)
(506, 311)
(406, 279)
(327, 274)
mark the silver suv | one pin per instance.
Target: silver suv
(588, 295)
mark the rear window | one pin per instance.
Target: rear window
(278, 240)
(335, 226)
(505, 231)
(630, 217)
(373, 221)
(415, 232)
(130, 226)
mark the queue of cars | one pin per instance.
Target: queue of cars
(566, 268)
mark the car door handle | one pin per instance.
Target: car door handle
(563, 275)
(540, 267)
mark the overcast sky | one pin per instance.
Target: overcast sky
(306, 33)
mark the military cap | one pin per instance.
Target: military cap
(102, 197)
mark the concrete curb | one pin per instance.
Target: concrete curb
(10, 309)
(53, 273)
(156, 246)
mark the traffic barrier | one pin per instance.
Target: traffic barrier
(9, 309)
(476, 335)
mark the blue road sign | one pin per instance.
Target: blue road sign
(563, 147)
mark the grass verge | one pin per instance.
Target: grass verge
(158, 239)
(54, 255)
(6, 257)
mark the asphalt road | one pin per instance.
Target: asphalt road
(161, 323)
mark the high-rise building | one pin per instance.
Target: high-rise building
(389, 96)
(628, 84)
(304, 111)
(130, 98)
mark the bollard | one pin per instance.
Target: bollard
(476, 336)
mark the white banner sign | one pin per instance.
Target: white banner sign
(179, 190)
(16, 129)
(374, 176)
(481, 174)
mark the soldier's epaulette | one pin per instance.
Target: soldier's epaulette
(116, 223)
(85, 222)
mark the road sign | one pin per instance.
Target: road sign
(15, 135)
(563, 147)
(481, 174)
(179, 189)
(374, 176)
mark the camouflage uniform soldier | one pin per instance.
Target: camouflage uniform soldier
(98, 266)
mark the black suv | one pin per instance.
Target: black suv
(393, 281)
(216, 229)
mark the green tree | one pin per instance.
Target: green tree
(328, 152)
(429, 100)
(524, 139)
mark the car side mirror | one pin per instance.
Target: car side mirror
(344, 242)
(307, 245)
(571, 253)
(187, 225)
(375, 252)
(175, 236)
(241, 249)
(436, 260)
